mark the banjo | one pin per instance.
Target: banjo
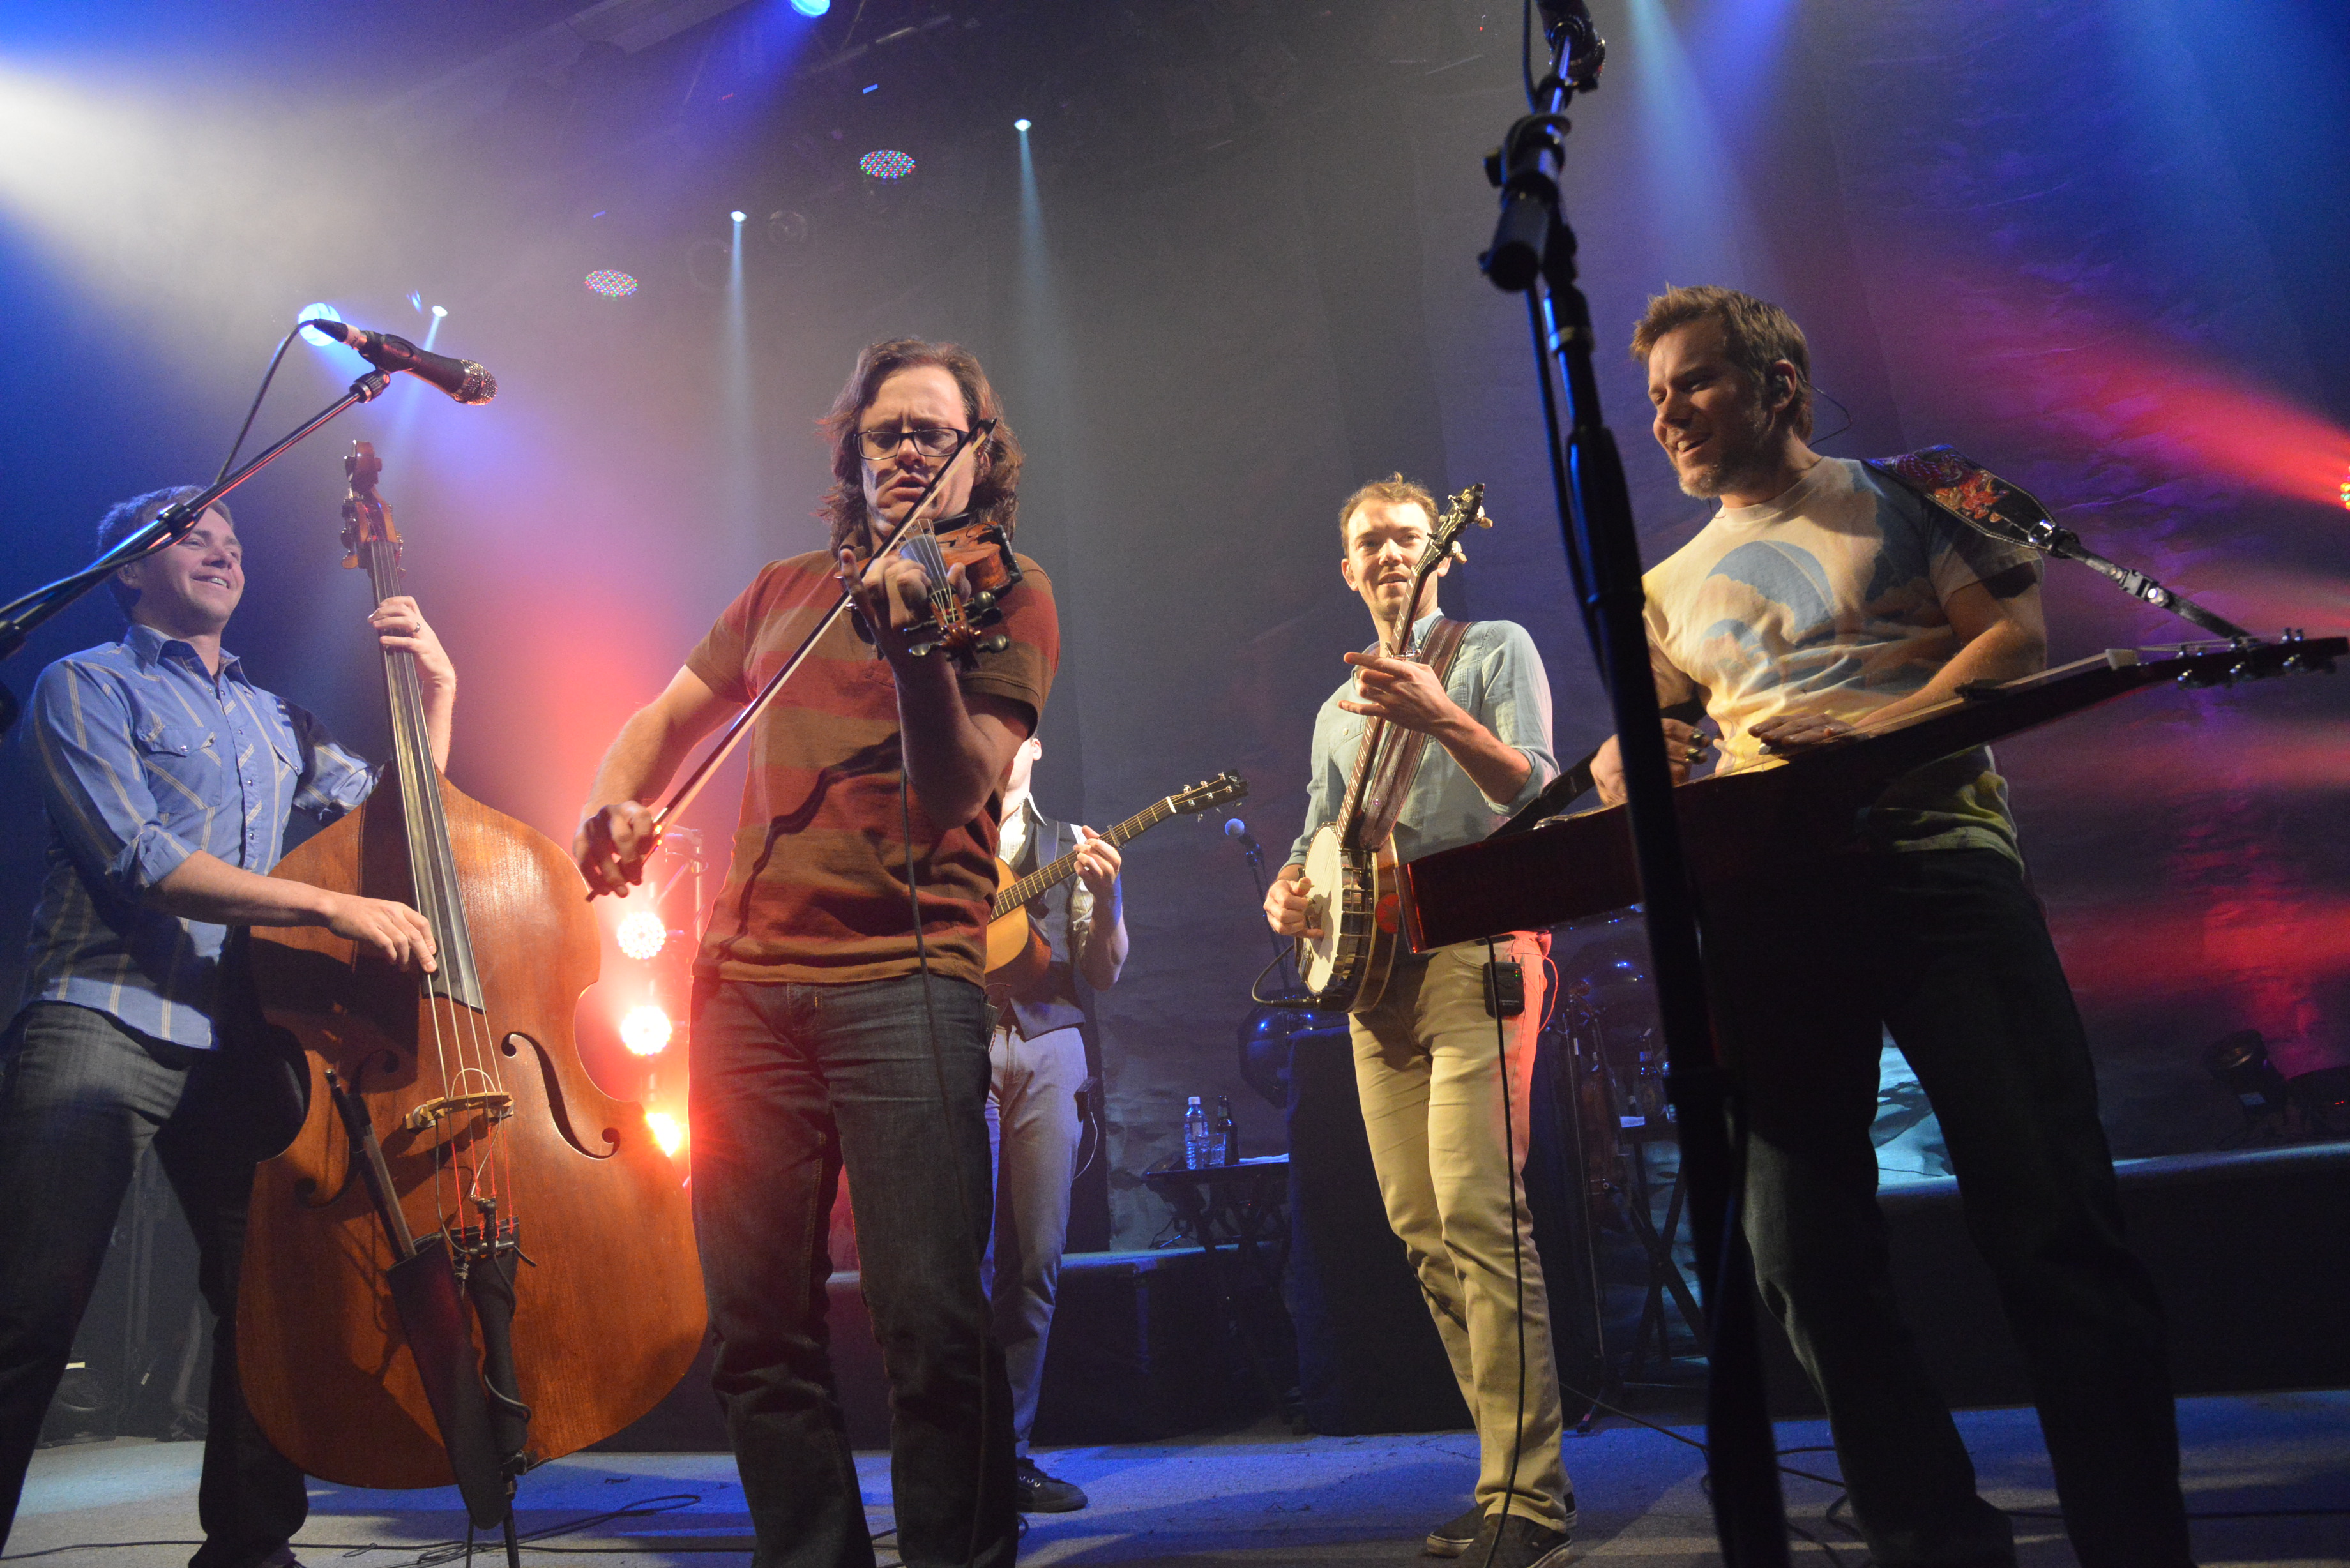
(1350, 863)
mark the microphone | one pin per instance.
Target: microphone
(1235, 828)
(461, 379)
(1586, 50)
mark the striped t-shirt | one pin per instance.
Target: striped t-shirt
(816, 892)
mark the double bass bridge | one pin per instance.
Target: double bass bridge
(497, 1103)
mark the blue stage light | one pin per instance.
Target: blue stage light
(811, 8)
(440, 310)
(1020, 125)
(737, 216)
(321, 311)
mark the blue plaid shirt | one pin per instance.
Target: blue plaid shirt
(143, 759)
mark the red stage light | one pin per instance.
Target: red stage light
(645, 1031)
(641, 934)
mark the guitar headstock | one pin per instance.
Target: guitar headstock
(2294, 653)
(367, 516)
(1221, 790)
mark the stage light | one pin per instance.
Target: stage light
(667, 1130)
(886, 164)
(611, 284)
(2345, 488)
(645, 1031)
(869, 86)
(416, 301)
(811, 8)
(321, 311)
(1020, 125)
(737, 216)
(641, 934)
(440, 310)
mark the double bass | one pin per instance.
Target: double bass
(470, 1260)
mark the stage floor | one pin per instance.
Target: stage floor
(1258, 1496)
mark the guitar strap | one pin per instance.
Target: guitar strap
(1383, 801)
(1945, 477)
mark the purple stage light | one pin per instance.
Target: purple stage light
(886, 164)
(611, 284)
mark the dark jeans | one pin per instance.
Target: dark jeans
(791, 1084)
(1948, 950)
(81, 1096)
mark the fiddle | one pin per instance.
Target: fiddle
(961, 609)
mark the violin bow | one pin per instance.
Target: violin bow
(916, 526)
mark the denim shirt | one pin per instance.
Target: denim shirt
(1498, 678)
(144, 758)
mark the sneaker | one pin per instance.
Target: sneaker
(1040, 1493)
(1452, 1538)
(1516, 1542)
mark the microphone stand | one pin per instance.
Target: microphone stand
(1533, 254)
(19, 618)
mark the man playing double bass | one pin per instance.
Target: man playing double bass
(168, 778)
(1820, 600)
(1441, 1076)
(841, 1020)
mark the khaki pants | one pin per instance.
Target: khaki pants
(1428, 1063)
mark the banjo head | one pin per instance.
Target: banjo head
(1318, 957)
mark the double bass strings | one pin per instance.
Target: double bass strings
(465, 1035)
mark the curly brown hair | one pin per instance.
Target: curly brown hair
(1756, 334)
(1396, 490)
(995, 493)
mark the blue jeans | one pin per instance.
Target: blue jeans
(791, 1084)
(1946, 949)
(81, 1096)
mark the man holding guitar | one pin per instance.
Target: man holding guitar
(1036, 1063)
(1823, 602)
(1446, 1123)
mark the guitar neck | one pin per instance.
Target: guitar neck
(1045, 878)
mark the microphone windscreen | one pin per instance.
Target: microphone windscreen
(1234, 827)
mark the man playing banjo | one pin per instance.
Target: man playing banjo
(1429, 1055)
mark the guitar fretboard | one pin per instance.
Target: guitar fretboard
(1045, 878)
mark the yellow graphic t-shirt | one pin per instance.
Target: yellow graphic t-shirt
(1828, 601)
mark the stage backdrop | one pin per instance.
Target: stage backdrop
(1228, 275)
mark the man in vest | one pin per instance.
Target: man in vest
(1428, 1056)
(1037, 1080)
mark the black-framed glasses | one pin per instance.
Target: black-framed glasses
(930, 441)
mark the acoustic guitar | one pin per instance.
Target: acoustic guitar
(1017, 953)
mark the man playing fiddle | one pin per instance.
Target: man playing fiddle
(841, 1020)
(168, 778)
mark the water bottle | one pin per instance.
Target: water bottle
(1224, 1134)
(1195, 1136)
